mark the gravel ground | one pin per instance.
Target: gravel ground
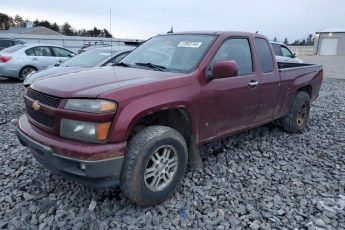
(261, 179)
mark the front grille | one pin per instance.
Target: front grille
(44, 98)
(40, 117)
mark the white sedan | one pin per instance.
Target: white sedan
(21, 60)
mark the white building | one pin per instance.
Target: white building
(330, 42)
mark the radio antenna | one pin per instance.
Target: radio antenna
(111, 35)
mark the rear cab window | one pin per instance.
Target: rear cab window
(238, 50)
(265, 55)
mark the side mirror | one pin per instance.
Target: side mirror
(224, 69)
(293, 55)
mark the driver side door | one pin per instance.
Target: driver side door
(230, 104)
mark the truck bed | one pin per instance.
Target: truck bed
(294, 76)
(284, 65)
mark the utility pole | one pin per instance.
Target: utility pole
(111, 35)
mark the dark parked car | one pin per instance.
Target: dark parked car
(7, 42)
(138, 124)
(94, 58)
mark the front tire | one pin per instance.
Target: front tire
(296, 119)
(154, 165)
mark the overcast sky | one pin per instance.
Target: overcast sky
(293, 19)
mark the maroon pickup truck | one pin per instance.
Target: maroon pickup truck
(138, 124)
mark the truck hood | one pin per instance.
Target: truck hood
(50, 72)
(93, 82)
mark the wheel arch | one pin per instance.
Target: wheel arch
(177, 115)
(21, 69)
(177, 118)
(306, 88)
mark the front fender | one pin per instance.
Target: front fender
(133, 111)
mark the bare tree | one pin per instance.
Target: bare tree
(5, 21)
(66, 29)
(286, 42)
(18, 21)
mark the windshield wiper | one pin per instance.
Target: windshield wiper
(121, 64)
(151, 65)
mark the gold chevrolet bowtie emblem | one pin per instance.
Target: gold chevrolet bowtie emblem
(36, 105)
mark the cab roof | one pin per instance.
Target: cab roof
(219, 33)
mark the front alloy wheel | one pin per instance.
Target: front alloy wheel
(160, 168)
(154, 165)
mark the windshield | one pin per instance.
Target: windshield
(88, 59)
(173, 53)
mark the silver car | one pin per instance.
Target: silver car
(20, 60)
(95, 57)
(284, 54)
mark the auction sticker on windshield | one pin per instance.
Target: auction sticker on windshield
(189, 44)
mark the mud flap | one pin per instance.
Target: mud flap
(194, 159)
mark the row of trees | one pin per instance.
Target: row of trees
(7, 22)
(308, 41)
(17, 21)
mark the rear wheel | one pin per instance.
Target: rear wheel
(296, 119)
(25, 72)
(154, 165)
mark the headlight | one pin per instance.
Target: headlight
(84, 131)
(91, 105)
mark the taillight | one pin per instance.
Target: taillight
(4, 59)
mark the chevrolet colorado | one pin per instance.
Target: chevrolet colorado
(138, 124)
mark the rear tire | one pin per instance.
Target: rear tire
(296, 119)
(24, 72)
(154, 165)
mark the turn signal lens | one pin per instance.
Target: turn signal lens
(107, 106)
(102, 131)
(84, 131)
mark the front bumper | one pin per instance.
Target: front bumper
(97, 173)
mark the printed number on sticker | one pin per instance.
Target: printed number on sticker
(189, 44)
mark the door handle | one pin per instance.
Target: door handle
(253, 83)
(34, 59)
